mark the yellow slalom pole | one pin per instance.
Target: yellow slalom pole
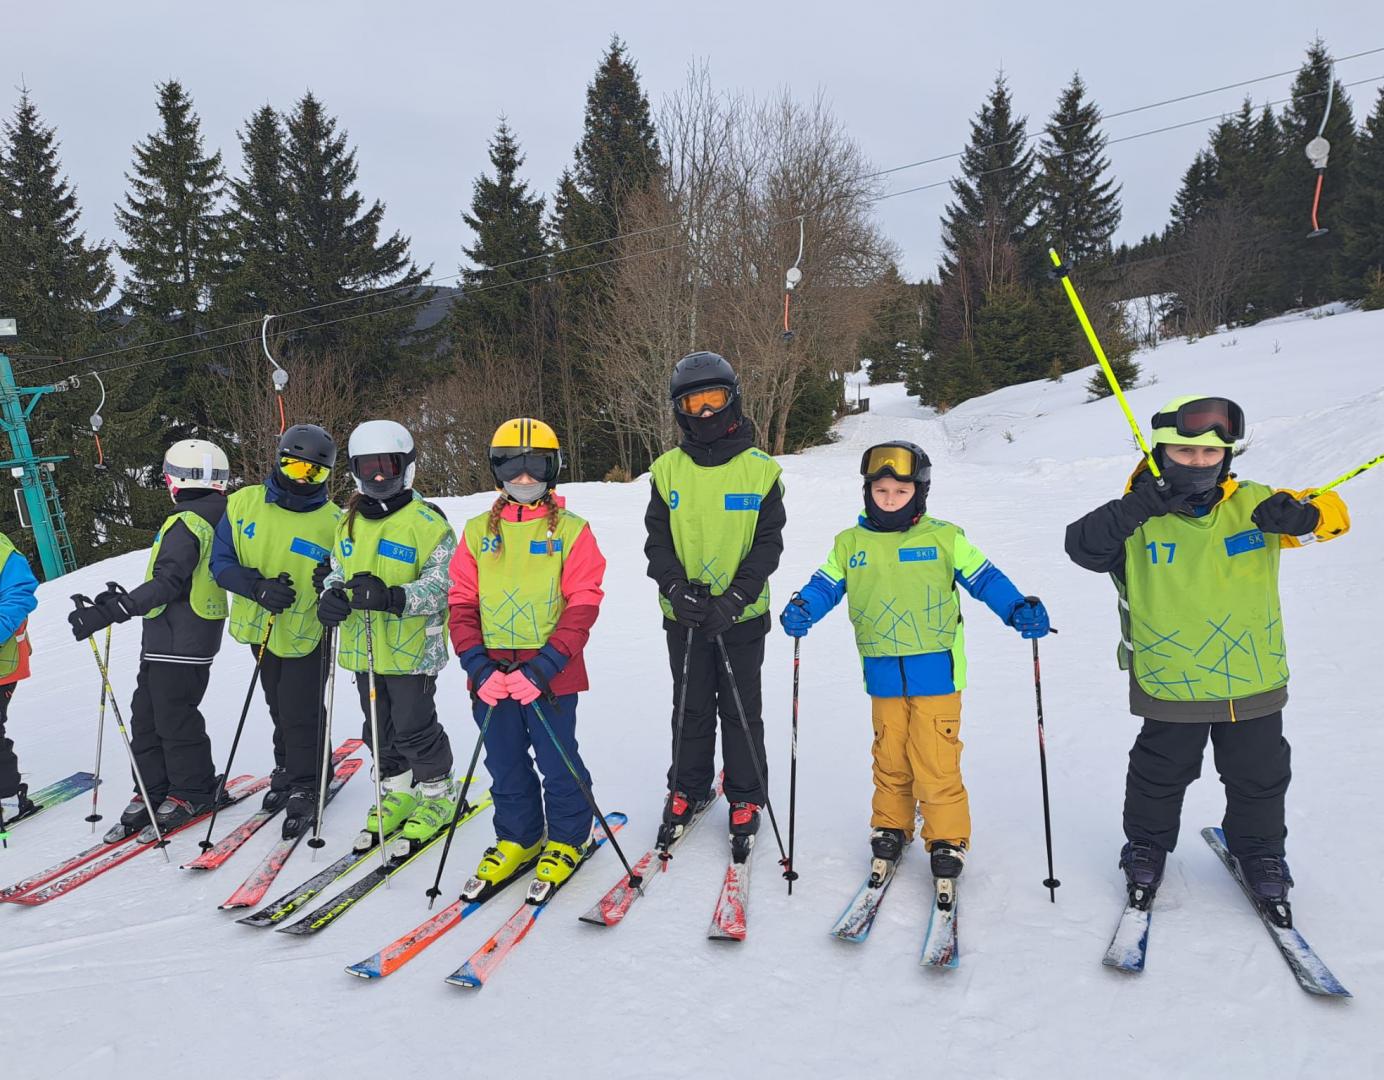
(1104, 362)
(1349, 475)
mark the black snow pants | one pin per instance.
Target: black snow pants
(709, 692)
(411, 736)
(9, 762)
(1253, 760)
(169, 734)
(293, 688)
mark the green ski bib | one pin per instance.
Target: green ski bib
(394, 549)
(208, 599)
(519, 574)
(1199, 608)
(714, 512)
(273, 540)
(9, 650)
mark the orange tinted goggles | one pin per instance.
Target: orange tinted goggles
(305, 472)
(696, 402)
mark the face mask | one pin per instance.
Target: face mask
(893, 520)
(1190, 480)
(526, 493)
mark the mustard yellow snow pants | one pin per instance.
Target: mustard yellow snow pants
(917, 763)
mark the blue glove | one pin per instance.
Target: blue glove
(1029, 617)
(796, 617)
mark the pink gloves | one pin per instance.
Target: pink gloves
(521, 688)
(495, 689)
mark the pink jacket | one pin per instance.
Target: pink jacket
(583, 569)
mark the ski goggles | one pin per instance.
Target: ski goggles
(378, 467)
(206, 473)
(507, 462)
(304, 472)
(1204, 416)
(695, 402)
(897, 461)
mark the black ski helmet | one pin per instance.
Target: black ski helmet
(699, 369)
(308, 442)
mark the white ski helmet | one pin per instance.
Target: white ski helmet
(196, 463)
(382, 458)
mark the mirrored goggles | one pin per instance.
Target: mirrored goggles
(378, 467)
(695, 402)
(1203, 416)
(897, 461)
(303, 472)
(509, 462)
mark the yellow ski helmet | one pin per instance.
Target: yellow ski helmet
(1195, 420)
(525, 445)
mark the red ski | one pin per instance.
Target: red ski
(729, 923)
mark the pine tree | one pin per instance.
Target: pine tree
(1362, 211)
(257, 220)
(508, 225)
(893, 343)
(1078, 208)
(997, 186)
(1199, 191)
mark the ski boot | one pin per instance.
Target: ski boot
(300, 813)
(1268, 880)
(399, 800)
(886, 848)
(133, 819)
(276, 798)
(437, 804)
(948, 860)
(24, 806)
(678, 812)
(1142, 863)
(500, 863)
(744, 823)
(173, 813)
(557, 863)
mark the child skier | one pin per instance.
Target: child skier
(284, 527)
(389, 569)
(901, 569)
(715, 534)
(1195, 563)
(17, 600)
(184, 610)
(526, 589)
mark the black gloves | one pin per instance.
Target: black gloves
(116, 602)
(1146, 499)
(319, 575)
(369, 593)
(1281, 513)
(725, 609)
(333, 606)
(275, 595)
(89, 618)
(691, 602)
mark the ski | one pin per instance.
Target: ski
(253, 888)
(295, 899)
(1312, 975)
(940, 948)
(229, 844)
(46, 798)
(112, 855)
(855, 922)
(403, 949)
(615, 905)
(728, 921)
(482, 964)
(321, 918)
(1129, 947)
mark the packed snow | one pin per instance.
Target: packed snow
(139, 973)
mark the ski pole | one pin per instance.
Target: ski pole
(789, 872)
(1366, 467)
(1051, 883)
(784, 861)
(375, 735)
(636, 880)
(83, 601)
(324, 735)
(205, 843)
(1061, 270)
(462, 807)
(95, 816)
(664, 854)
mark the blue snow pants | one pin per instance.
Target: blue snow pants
(514, 731)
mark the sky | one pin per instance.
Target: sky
(420, 87)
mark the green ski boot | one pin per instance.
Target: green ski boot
(498, 865)
(437, 803)
(399, 800)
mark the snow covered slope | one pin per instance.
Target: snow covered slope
(140, 972)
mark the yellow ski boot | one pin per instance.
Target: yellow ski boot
(499, 866)
(557, 863)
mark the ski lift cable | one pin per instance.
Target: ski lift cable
(659, 228)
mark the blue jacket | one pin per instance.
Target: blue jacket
(17, 594)
(922, 674)
(226, 566)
